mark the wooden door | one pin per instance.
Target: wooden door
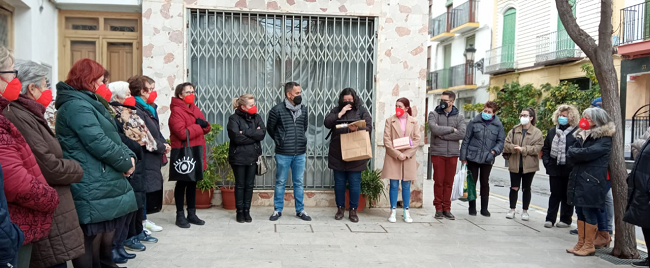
(78, 49)
(508, 38)
(120, 60)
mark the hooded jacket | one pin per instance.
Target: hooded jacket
(444, 139)
(481, 138)
(245, 147)
(183, 118)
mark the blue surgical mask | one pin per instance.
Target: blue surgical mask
(486, 116)
(563, 120)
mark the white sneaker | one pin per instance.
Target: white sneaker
(151, 226)
(407, 216)
(562, 225)
(548, 224)
(525, 216)
(393, 215)
(146, 231)
(510, 215)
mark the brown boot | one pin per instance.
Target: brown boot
(353, 215)
(340, 213)
(588, 248)
(581, 238)
(602, 239)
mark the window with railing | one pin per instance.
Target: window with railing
(554, 46)
(635, 23)
(438, 25)
(465, 13)
(500, 58)
(454, 76)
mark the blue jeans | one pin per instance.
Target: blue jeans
(588, 215)
(604, 219)
(297, 166)
(144, 210)
(341, 178)
(406, 193)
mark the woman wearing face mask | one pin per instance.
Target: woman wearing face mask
(523, 143)
(349, 109)
(484, 140)
(88, 134)
(588, 187)
(246, 131)
(31, 201)
(26, 113)
(400, 164)
(186, 117)
(554, 152)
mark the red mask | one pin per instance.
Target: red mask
(152, 97)
(189, 99)
(45, 98)
(252, 110)
(103, 91)
(12, 91)
(130, 101)
(399, 112)
(584, 124)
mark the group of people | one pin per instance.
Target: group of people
(83, 195)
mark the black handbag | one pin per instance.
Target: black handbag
(186, 162)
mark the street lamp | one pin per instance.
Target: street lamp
(470, 53)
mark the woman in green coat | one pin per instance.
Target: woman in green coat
(88, 134)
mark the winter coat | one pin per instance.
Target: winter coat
(445, 141)
(245, 147)
(150, 171)
(30, 199)
(334, 157)
(550, 163)
(481, 138)
(590, 159)
(65, 240)
(289, 136)
(531, 145)
(88, 134)
(137, 183)
(394, 168)
(184, 118)
(638, 190)
(11, 237)
(638, 143)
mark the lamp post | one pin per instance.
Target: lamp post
(470, 53)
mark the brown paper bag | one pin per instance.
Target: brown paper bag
(356, 146)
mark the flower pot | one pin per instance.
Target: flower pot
(204, 198)
(228, 197)
(362, 201)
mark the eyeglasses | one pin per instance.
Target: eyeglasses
(188, 92)
(524, 115)
(47, 83)
(150, 89)
(15, 72)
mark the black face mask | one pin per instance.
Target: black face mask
(443, 104)
(348, 102)
(297, 100)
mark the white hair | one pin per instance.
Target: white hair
(597, 115)
(119, 90)
(30, 72)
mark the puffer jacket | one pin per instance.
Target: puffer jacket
(289, 136)
(11, 237)
(150, 170)
(31, 200)
(481, 138)
(245, 147)
(334, 157)
(88, 134)
(638, 190)
(638, 143)
(65, 241)
(182, 118)
(590, 158)
(444, 140)
(531, 146)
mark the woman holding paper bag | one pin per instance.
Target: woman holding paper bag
(349, 109)
(401, 137)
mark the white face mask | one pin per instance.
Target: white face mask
(524, 120)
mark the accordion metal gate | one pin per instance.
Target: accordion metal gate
(231, 54)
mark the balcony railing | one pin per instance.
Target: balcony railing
(500, 59)
(440, 79)
(556, 46)
(465, 13)
(635, 24)
(438, 25)
(454, 76)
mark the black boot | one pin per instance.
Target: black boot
(472, 208)
(117, 258)
(240, 216)
(484, 205)
(123, 253)
(247, 215)
(181, 221)
(192, 218)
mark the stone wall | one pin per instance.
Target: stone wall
(401, 56)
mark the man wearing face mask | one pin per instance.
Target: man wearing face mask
(447, 127)
(287, 125)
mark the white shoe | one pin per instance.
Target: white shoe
(525, 216)
(393, 215)
(548, 224)
(407, 216)
(511, 214)
(562, 225)
(151, 226)
(147, 232)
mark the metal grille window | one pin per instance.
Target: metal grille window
(231, 54)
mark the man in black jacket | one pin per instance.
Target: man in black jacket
(287, 125)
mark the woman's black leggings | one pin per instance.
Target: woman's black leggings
(484, 175)
(135, 227)
(516, 180)
(98, 252)
(244, 183)
(185, 189)
(122, 230)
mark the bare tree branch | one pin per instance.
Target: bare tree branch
(579, 36)
(605, 28)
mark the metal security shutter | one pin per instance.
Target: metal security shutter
(235, 53)
(508, 36)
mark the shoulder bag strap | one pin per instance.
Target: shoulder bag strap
(187, 135)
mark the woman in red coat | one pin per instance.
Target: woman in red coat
(186, 116)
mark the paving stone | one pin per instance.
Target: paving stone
(293, 228)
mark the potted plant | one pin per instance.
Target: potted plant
(220, 157)
(372, 187)
(205, 188)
